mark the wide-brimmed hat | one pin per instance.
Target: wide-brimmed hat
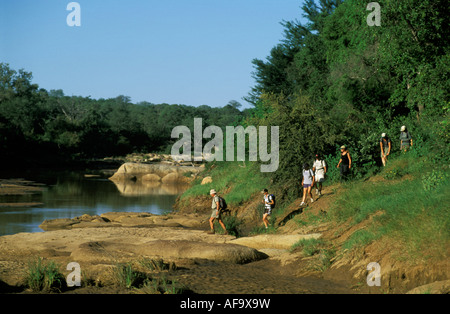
(343, 147)
(212, 192)
(403, 129)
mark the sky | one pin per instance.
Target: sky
(192, 52)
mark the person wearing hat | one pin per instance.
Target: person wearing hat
(320, 170)
(215, 214)
(269, 203)
(345, 163)
(385, 144)
(406, 141)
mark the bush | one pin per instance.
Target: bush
(433, 179)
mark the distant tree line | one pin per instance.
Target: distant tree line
(36, 124)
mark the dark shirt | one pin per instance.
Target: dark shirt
(345, 160)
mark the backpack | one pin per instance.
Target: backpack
(223, 204)
(272, 198)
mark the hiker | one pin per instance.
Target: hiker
(307, 183)
(345, 163)
(216, 212)
(269, 204)
(385, 144)
(406, 141)
(320, 170)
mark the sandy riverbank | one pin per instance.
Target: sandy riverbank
(206, 263)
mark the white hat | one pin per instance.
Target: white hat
(383, 135)
(403, 129)
(212, 192)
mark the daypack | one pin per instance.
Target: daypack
(272, 198)
(223, 204)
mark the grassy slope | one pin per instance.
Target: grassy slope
(406, 202)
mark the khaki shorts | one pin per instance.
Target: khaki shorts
(216, 215)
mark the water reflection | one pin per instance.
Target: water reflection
(69, 195)
(139, 188)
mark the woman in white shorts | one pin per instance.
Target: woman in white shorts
(320, 169)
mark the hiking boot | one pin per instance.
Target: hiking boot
(317, 192)
(302, 204)
(211, 232)
(312, 200)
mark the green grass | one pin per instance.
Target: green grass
(319, 249)
(232, 180)
(43, 276)
(410, 209)
(127, 277)
(232, 223)
(309, 246)
(156, 264)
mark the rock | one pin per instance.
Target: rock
(274, 241)
(220, 252)
(438, 287)
(171, 178)
(57, 224)
(207, 180)
(85, 221)
(137, 171)
(151, 177)
(105, 251)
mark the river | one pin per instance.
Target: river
(72, 194)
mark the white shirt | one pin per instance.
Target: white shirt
(320, 165)
(267, 199)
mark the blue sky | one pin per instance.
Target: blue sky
(193, 52)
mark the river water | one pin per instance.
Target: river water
(72, 194)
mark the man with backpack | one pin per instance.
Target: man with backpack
(217, 206)
(269, 204)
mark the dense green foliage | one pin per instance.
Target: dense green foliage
(337, 81)
(47, 125)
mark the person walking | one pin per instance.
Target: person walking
(320, 170)
(385, 144)
(406, 141)
(345, 163)
(307, 183)
(269, 203)
(216, 212)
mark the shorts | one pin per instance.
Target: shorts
(216, 215)
(268, 211)
(305, 186)
(320, 179)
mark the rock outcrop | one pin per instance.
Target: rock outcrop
(164, 172)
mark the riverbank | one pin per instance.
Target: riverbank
(204, 263)
(322, 248)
